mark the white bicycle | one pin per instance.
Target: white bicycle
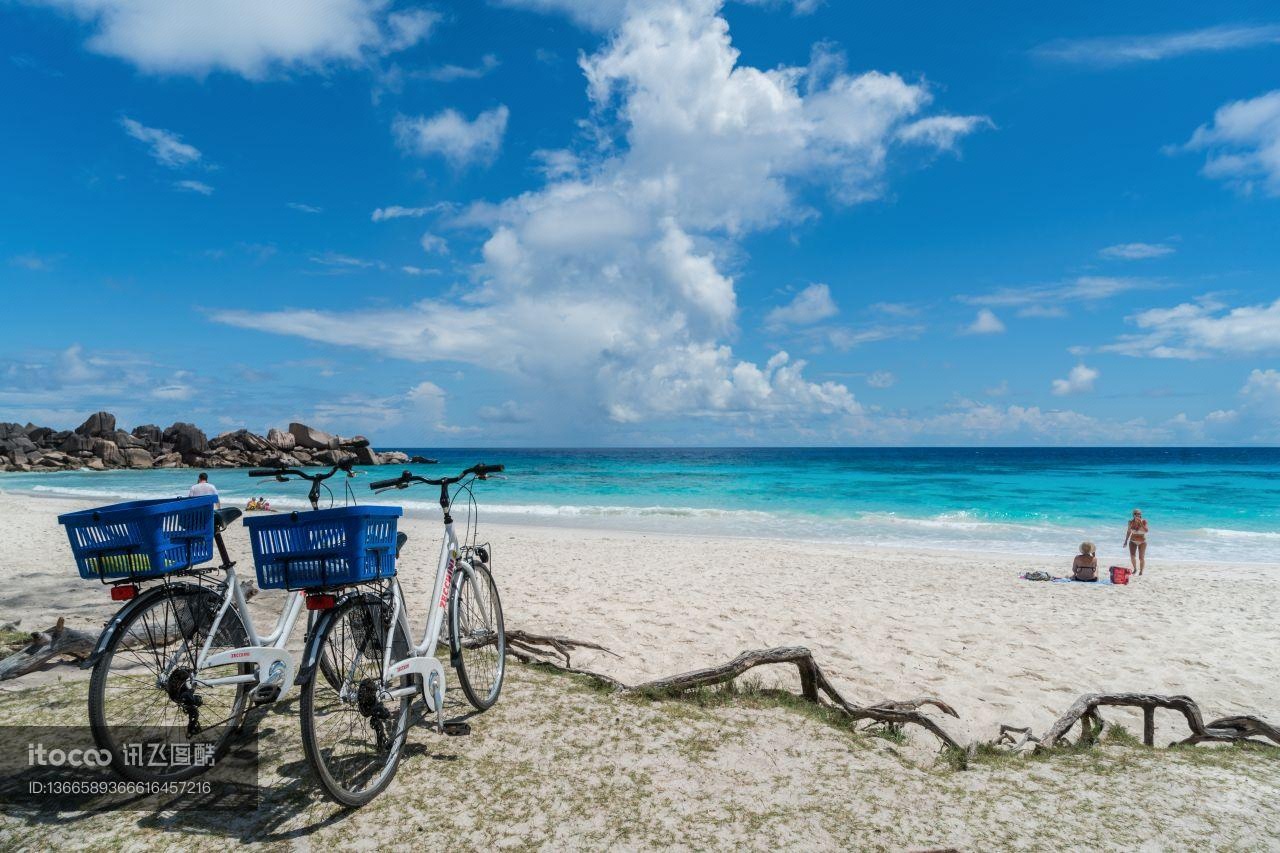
(180, 662)
(356, 718)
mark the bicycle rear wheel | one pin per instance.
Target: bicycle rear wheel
(352, 732)
(478, 643)
(146, 688)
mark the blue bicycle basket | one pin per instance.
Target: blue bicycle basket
(325, 547)
(141, 539)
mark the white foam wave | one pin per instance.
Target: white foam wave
(954, 530)
(1227, 533)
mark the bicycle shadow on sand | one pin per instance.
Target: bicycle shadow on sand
(281, 804)
(280, 801)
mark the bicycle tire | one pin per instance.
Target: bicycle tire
(478, 643)
(356, 653)
(188, 611)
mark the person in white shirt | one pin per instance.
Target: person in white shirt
(204, 487)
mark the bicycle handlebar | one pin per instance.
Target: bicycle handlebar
(282, 471)
(405, 479)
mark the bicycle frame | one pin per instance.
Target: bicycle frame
(264, 652)
(422, 660)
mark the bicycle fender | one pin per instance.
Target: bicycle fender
(116, 623)
(460, 568)
(311, 656)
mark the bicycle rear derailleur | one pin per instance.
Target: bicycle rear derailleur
(180, 689)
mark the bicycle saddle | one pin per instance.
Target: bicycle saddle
(401, 538)
(223, 517)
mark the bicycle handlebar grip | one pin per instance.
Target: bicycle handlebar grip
(264, 473)
(482, 469)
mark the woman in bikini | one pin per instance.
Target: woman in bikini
(1085, 566)
(1135, 536)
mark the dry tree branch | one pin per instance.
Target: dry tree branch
(813, 682)
(1085, 711)
(46, 646)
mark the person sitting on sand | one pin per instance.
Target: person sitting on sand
(251, 505)
(264, 504)
(1135, 537)
(1085, 566)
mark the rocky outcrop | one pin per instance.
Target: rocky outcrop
(186, 439)
(149, 434)
(312, 439)
(98, 445)
(283, 440)
(98, 425)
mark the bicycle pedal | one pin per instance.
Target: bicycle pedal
(266, 694)
(457, 728)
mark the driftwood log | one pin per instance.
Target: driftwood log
(48, 645)
(1223, 729)
(60, 642)
(814, 685)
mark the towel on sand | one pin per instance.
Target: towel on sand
(1103, 580)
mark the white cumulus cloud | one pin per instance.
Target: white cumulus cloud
(610, 286)
(1078, 381)
(1199, 329)
(1263, 383)
(452, 135)
(434, 244)
(1243, 144)
(986, 323)
(251, 38)
(810, 305)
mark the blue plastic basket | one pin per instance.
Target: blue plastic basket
(324, 548)
(141, 539)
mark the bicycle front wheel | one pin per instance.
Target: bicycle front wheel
(352, 732)
(478, 643)
(146, 689)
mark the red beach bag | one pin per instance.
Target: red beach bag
(1120, 574)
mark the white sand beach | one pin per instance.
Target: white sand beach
(883, 623)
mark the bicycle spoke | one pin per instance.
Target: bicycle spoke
(353, 732)
(476, 622)
(145, 684)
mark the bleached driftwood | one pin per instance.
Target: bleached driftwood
(60, 642)
(1223, 729)
(45, 646)
(814, 685)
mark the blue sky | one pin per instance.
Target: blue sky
(645, 221)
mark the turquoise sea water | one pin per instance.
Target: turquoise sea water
(1202, 504)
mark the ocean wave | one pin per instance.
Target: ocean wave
(80, 492)
(620, 511)
(969, 529)
(1227, 533)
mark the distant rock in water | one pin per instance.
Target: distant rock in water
(98, 445)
